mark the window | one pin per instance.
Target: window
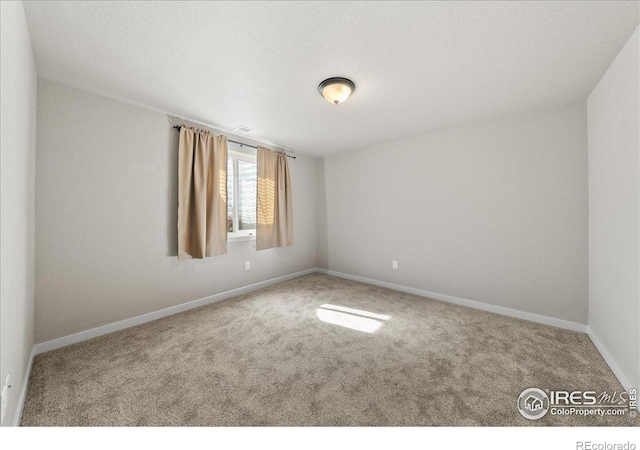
(242, 173)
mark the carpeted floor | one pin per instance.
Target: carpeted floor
(317, 350)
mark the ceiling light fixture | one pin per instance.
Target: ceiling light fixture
(337, 89)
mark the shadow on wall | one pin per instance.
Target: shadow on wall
(172, 194)
(323, 245)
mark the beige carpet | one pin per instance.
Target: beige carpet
(291, 354)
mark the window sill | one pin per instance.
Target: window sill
(240, 237)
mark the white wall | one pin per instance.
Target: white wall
(323, 243)
(106, 207)
(494, 212)
(17, 162)
(614, 211)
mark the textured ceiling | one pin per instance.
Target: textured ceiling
(417, 66)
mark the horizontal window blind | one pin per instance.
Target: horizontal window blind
(247, 186)
(241, 194)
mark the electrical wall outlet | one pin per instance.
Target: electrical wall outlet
(394, 264)
(4, 394)
(247, 265)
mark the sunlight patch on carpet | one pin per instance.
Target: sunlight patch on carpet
(354, 319)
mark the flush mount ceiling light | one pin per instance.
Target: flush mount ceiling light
(337, 89)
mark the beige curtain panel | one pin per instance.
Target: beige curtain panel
(275, 213)
(202, 194)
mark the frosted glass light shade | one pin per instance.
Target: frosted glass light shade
(336, 90)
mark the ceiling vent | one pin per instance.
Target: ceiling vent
(241, 129)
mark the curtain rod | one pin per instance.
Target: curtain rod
(177, 127)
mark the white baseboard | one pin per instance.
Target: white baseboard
(552, 321)
(624, 381)
(138, 320)
(144, 318)
(23, 390)
(110, 328)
